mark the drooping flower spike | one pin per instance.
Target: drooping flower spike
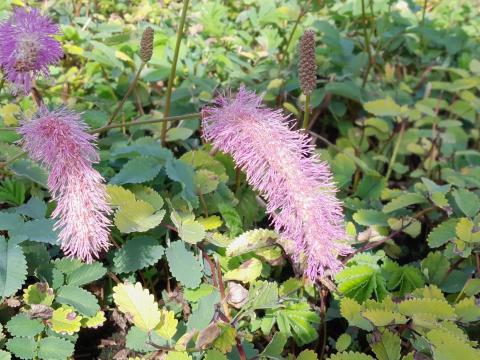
(27, 47)
(59, 141)
(280, 163)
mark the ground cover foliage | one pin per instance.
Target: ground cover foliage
(195, 270)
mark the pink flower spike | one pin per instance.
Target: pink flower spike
(59, 141)
(280, 163)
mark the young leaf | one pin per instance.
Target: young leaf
(138, 303)
(389, 347)
(247, 272)
(183, 265)
(168, 324)
(65, 321)
(251, 241)
(446, 346)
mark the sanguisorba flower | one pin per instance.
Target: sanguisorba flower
(27, 47)
(59, 141)
(280, 163)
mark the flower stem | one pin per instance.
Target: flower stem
(173, 69)
(127, 94)
(306, 113)
(395, 150)
(143, 122)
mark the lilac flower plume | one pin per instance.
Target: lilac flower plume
(59, 141)
(280, 163)
(27, 47)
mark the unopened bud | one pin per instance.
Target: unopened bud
(307, 68)
(146, 45)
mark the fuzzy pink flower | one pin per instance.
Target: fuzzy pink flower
(59, 141)
(280, 163)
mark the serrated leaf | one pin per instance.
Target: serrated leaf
(86, 274)
(82, 300)
(275, 346)
(94, 322)
(178, 355)
(262, 295)
(5, 355)
(137, 253)
(226, 339)
(467, 201)
(298, 320)
(55, 348)
(251, 241)
(343, 342)
(367, 217)
(203, 314)
(22, 325)
(403, 201)
(404, 278)
(35, 208)
(13, 267)
(206, 181)
(467, 310)
(210, 223)
(379, 317)
(30, 170)
(350, 356)
(119, 196)
(65, 321)
(189, 230)
(360, 282)
(231, 218)
(435, 267)
(307, 355)
(138, 170)
(40, 230)
(246, 272)
(22, 347)
(441, 309)
(138, 303)
(183, 265)
(167, 326)
(183, 173)
(448, 347)
(442, 234)
(137, 339)
(138, 216)
(38, 293)
(351, 311)
(383, 107)
(214, 354)
(148, 195)
(389, 346)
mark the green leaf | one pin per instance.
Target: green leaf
(9, 221)
(383, 107)
(367, 217)
(167, 327)
(203, 314)
(446, 346)
(403, 201)
(251, 240)
(38, 293)
(4, 355)
(226, 339)
(86, 274)
(404, 278)
(435, 267)
(389, 347)
(442, 234)
(214, 354)
(65, 321)
(183, 265)
(350, 356)
(40, 230)
(262, 295)
(183, 173)
(343, 342)
(352, 312)
(137, 253)
(22, 325)
(298, 320)
(231, 218)
(138, 303)
(467, 310)
(137, 338)
(35, 208)
(247, 272)
(82, 300)
(360, 282)
(307, 355)
(138, 170)
(176, 133)
(55, 348)
(189, 230)
(467, 201)
(30, 170)
(178, 355)
(441, 309)
(275, 347)
(206, 181)
(22, 347)
(13, 267)
(138, 216)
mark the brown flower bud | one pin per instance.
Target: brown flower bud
(146, 45)
(307, 67)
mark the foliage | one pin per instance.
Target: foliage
(195, 270)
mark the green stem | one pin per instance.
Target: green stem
(127, 94)
(303, 11)
(173, 69)
(424, 13)
(306, 113)
(395, 150)
(143, 122)
(367, 44)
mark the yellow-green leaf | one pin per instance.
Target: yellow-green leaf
(65, 320)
